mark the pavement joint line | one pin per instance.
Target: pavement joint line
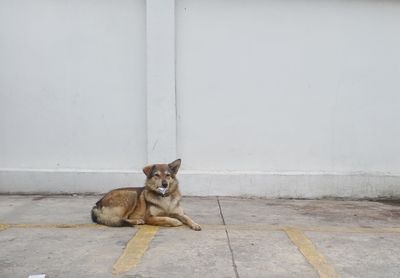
(235, 270)
(135, 249)
(311, 253)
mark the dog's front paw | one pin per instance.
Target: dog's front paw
(138, 221)
(196, 227)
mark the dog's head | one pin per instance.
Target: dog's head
(161, 178)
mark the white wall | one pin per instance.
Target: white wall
(72, 84)
(289, 86)
(265, 98)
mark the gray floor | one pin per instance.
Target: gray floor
(240, 238)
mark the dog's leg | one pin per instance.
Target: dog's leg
(188, 221)
(163, 221)
(134, 221)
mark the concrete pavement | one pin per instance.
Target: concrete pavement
(240, 238)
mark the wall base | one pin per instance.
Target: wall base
(258, 184)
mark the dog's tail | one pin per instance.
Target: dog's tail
(94, 214)
(106, 216)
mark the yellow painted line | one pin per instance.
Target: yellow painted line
(135, 249)
(352, 229)
(27, 226)
(4, 227)
(255, 227)
(242, 227)
(328, 229)
(312, 255)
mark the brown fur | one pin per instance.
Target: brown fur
(146, 205)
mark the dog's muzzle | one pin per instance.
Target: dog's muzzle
(163, 191)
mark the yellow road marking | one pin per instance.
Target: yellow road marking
(258, 227)
(135, 249)
(352, 229)
(327, 229)
(3, 227)
(51, 226)
(310, 252)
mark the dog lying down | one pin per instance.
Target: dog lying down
(157, 203)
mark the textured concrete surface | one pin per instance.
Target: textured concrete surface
(61, 252)
(42, 209)
(267, 254)
(311, 212)
(240, 238)
(361, 255)
(176, 252)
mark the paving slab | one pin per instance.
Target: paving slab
(306, 213)
(202, 210)
(181, 252)
(47, 209)
(360, 255)
(267, 254)
(11, 205)
(61, 252)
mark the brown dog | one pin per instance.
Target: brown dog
(157, 203)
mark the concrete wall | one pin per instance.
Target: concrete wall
(289, 85)
(72, 84)
(72, 93)
(265, 98)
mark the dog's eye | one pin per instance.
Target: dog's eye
(168, 175)
(157, 175)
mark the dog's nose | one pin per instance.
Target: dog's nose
(164, 184)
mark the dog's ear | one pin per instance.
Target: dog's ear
(148, 170)
(174, 166)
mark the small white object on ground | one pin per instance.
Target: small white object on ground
(37, 276)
